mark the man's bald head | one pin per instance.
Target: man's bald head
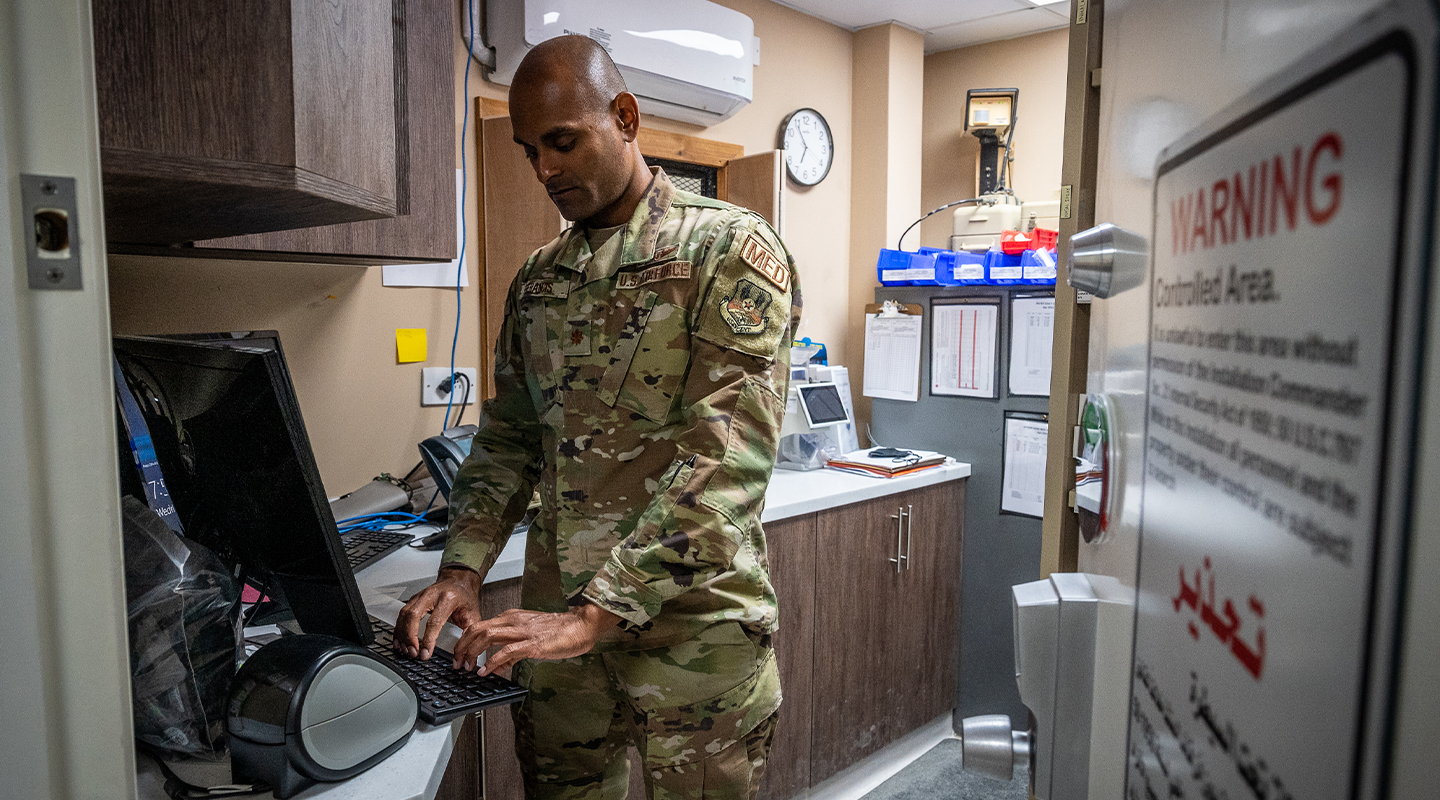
(571, 112)
(578, 63)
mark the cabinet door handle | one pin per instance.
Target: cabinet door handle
(909, 533)
(899, 536)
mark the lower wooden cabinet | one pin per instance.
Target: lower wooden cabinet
(868, 643)
(886, 621)
(791, 544)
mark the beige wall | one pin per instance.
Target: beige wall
(362, 410)
(1034, 64)
(337, 323)
(887, 104)
(804, 62)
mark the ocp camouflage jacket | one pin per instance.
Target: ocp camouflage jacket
(641, 387)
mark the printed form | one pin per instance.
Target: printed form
(1032, 335)
(892, 357)
(1023, 480)
(962, 350)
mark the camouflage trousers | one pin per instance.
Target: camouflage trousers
(700, 713)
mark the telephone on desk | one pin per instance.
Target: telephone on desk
(443, 455)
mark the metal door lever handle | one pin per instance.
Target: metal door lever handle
(899, 535)
(909, 540)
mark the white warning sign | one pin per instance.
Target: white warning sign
(1277, 266)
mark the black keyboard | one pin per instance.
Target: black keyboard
(445, 692)
(364, 548)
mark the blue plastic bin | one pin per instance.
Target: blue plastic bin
(1038, 267)
(1002, 269)
(903, 268)
(944, 265)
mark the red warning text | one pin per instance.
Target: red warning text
(1305, 184)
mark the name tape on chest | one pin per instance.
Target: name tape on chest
(659, 272)
(545, 288)
(754, 252)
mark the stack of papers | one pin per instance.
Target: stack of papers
(861, 462)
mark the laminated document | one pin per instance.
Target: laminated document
(1032, 335)
(962, 349)
(1023, 476)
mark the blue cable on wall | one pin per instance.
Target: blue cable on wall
(464, 222)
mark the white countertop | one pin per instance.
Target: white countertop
(794, 493)
(414, 771)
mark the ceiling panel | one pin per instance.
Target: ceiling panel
(918, 14)
(1002, 26)
(946, 23)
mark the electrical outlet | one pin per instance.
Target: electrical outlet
(431, 394)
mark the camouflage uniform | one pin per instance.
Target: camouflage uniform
(641, 388)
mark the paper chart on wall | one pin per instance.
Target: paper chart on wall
(435, 275)
(962, 350)
(1023, 482)
(892, 357)
(1032, 334)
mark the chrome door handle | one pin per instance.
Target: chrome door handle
(909, 533)
(899, 536)
(1106, 260)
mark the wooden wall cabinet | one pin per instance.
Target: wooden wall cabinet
(329, 123)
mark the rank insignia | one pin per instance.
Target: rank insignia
(744, 310)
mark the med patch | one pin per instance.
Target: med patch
(744, 308)
(760, 258)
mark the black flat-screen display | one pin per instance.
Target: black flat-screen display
(822, 404)
(232, 447)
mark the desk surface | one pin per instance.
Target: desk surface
(414, 772)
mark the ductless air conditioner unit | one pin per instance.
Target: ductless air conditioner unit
(688, 60)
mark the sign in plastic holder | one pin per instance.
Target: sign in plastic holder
(1284, 302)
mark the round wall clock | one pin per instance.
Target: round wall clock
(809, 146)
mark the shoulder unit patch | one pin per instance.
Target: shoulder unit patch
(744, 310)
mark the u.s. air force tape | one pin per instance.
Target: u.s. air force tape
(659, 272)
(755, 253)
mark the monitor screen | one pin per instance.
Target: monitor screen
(823, 405)
(232, 447)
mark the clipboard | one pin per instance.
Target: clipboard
(893, 333)
(896, 309)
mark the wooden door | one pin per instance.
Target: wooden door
(924, 655)
(855, 699)
(755, 182)
(791, 544)
(516, 216)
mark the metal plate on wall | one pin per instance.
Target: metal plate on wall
(52, 243)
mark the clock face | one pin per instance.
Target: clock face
(809, 147)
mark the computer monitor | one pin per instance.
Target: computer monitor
(232, 447)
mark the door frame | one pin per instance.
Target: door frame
(65, 657)
(1060, 528)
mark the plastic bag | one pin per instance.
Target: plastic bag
(184, 616)
(808, 450)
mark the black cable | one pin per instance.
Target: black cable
(180, 789)
(463, 400)
(900, 243)
(1009, 137)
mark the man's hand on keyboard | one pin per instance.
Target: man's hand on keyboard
(453, 597)
(532, 634)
